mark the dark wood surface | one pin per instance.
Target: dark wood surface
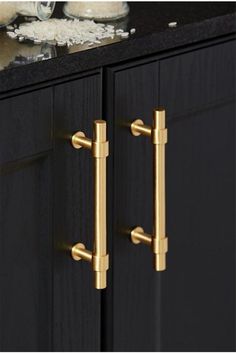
(26, 223)
(134, 286)
(198, 79)
(26, 120)
(76, 303)
(190, 307)
(47, 301)
(198, 289)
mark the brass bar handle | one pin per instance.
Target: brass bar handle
(98, 257)
(158, 240)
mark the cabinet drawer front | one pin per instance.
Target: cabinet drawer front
(211, 72)
(25, 125)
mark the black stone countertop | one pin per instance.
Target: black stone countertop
(21, 64)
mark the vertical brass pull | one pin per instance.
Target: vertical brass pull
(98, 257)
(158, 239)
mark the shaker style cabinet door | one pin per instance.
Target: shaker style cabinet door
(190, 306)
(47, 300)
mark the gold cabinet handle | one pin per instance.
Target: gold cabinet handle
(98, 257)
(158, 239)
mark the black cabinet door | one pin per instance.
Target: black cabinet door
(198, 289)
(190, 306)
(47, 300)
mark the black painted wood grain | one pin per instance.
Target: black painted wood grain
(26, 125)
(189, 307)
(25, 260)
(198, 289)
(76, 302)
(47, 301)
(133, 295)
(199, 79)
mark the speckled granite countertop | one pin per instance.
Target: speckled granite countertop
(21, 64)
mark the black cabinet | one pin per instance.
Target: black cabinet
(48, 301)
(189, 306)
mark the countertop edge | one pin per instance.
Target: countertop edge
(117, 53)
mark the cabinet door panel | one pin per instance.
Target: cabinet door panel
(25, 260)
(76, 301)
(25, 222)
(198, 288)
(190, 306)
(47, 300)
